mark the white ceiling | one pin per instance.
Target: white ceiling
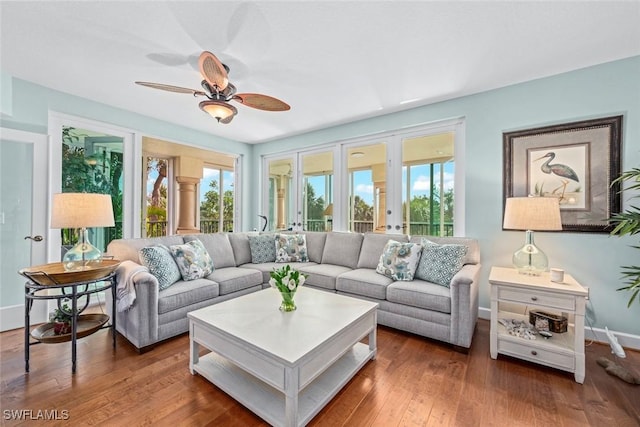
(333, 62)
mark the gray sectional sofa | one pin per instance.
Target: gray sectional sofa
(337, 262)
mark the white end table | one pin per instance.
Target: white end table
(510, 291)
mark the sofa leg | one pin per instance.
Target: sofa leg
(460, 349)
(145, 349)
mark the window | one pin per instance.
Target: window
(92, 163)
(366, 165)
(155, 214)
(397, 182)
(317, 207)
(216, 200)
(427, 184)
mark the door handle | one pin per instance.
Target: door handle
(37, 238)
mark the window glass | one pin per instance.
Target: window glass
(317, 208)
(92, 163)
(427, 185)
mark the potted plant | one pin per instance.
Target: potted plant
(61, 317)
(628, 223)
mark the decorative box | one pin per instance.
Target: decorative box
(543, 321)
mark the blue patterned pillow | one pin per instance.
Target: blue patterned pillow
(263, 248)
(439, 263)
(193, 260)
(291, 248)
(399, 260)
(160, 262)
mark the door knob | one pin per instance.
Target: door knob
(397, 227)
(37, 238)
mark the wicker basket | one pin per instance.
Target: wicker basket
(543, 321)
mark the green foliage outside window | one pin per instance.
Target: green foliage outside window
(90, 174)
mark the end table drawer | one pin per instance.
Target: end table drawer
(533, 354)
(537, 298)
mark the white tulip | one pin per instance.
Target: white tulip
(302, 279)
(272, 282)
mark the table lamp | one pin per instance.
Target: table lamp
(81, 210)
(531, 213)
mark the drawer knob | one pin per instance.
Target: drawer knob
(534, 298)
(533, 352)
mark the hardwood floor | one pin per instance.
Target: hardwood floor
(414, 381)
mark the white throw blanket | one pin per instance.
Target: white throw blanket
(125, 290)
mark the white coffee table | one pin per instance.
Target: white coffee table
(285, 367)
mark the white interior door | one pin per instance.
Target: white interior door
(23, 220)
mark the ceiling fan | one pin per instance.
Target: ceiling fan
(219, 92)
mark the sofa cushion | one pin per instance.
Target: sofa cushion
(365, 282)
(159, 260)
(263, 248)
(267, 267)
(183, 294)
(241, 249)
(128, 249)
(323, 275)
(420, 294)
(291, 248)
(315, 245)
(372, 246)
(439, 263)
(218, 246)
(192, 259)
(232, 279)
(399, 260)
(342, 249)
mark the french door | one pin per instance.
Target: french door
(397, 182)
(300, 192)
(23, 220)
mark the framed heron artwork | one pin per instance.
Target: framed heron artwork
(575, 162)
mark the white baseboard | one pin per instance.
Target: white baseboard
(12, 317)
(590, 334)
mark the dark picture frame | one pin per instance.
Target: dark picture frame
(576, 162)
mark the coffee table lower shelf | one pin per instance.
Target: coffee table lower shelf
(268, 402)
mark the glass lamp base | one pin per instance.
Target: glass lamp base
(83, 256)
(529, 259)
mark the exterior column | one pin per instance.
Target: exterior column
(187, 204)
(280, 223)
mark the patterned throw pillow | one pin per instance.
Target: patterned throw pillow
(291, 248)
(263, 248)
(193, 260)
(159, 261)
(399, 260)
(439, 263)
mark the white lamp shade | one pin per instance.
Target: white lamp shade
(532, 213)
(78, 210)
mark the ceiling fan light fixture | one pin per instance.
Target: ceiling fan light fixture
(219, 110)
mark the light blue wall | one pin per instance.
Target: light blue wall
(31, 103)
(599, 91)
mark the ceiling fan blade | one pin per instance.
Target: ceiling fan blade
(213, 71)
(261, 102)
(170, 88)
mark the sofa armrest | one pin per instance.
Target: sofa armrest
(139, 324)
(464, 304)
